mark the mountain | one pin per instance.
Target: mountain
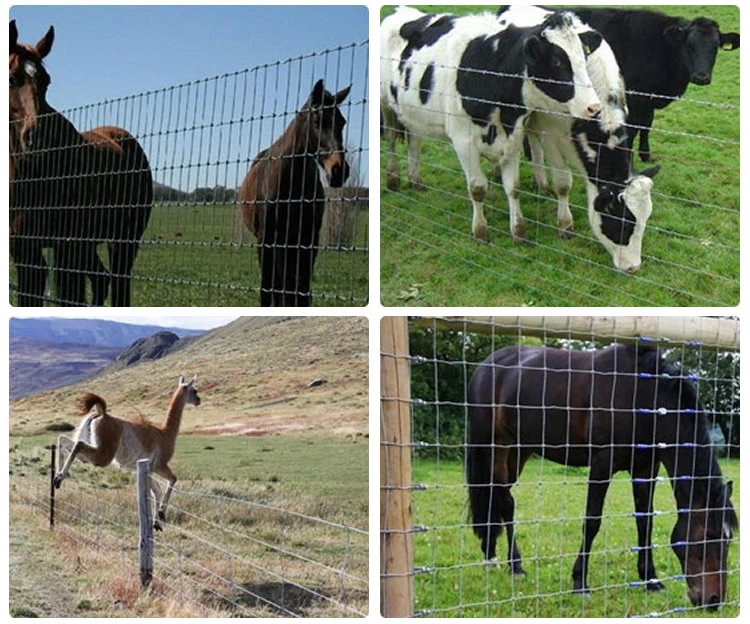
(36, 366)
(95, 333)
(256, 376)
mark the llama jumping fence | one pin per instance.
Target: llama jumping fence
(200, 139)
(690, 253)
(219, 555)
(432, 562)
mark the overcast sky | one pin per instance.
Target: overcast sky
(182, 322)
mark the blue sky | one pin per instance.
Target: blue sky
(206, 132)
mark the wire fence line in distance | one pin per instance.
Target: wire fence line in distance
(221, 554)
(200, 139)
(437, 426)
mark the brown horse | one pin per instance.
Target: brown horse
(620, 408)
(282, 198)
(70, 191)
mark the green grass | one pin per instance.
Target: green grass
(202, 255)
(690, 249)
(550, 502)
(244, 509)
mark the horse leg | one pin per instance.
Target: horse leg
(121, 260)
(515, 463)
(600, 475)
(98, 275)
(266, 260)
(70, 273)
(643, 480)
(31, 269)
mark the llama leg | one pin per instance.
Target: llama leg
(156, 494)
(64, 446)
(97, 456)
(171, 480)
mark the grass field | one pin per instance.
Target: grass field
(691, 245)
(244, 510)
(550, 502)
(202, 255)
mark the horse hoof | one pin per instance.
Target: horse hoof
(491, 562)
(654, 586)
(517, 571)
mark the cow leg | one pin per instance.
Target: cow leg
(512, 184)
(600, 475)
(537, 161)
(562, 181)
(644, 150)
(476, 182)
(415, 178)
(393, 179)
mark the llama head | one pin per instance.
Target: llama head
(190, 393)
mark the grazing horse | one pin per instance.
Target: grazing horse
(282, 198)
(70, 191)
(619, 408)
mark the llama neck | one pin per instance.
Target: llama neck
(174, 413)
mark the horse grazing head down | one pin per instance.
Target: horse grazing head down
(323, 125)
(701, 539)
(28, 86)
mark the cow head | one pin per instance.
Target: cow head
(697, 43)
(556, 63)
(618, 218)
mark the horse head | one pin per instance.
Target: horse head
(701, 539)
(28, 87)
(324, 127)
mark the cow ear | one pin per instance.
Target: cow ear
(13, 35)
(651, 171)
(44, 45)
(603, 200)
(729, 41)
(675, 35)
(532, 50)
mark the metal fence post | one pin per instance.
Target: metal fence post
(146, 525)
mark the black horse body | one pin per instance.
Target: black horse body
(620, 408)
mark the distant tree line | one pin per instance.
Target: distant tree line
(201, 195)
(446, 359)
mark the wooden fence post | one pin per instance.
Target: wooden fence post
(396, 544)
(52, 452)
(146, 525)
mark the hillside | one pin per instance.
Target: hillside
(254, 378)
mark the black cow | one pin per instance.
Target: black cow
(657, 54)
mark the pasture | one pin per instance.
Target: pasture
(452, 581)
(691, 244)
(258, 526)
(202, 255)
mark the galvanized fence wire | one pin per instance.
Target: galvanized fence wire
(436, 219)
(450, 576)
(221, 556)
(200, 139)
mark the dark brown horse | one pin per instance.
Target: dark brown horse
(282, 198)
(620, 408)
(70, 191)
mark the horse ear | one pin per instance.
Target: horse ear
(13, 35)
(318, 93)
(45, 43)
(341, 95)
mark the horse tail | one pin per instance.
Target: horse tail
(90, 400)
(484, 499)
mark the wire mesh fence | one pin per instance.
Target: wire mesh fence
(503, 464)
(74, 197)
(221, 553)
(690, 250)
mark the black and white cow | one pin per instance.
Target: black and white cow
(476, 82)
(619, 203)
(658, 56)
